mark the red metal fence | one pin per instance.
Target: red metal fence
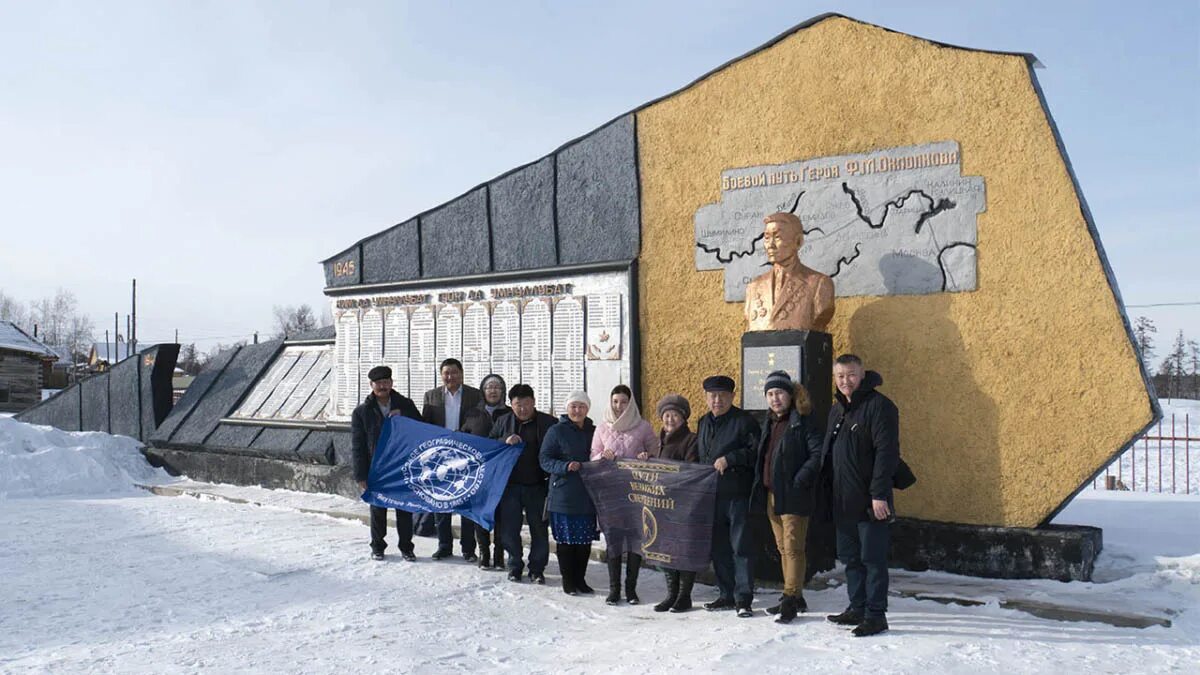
(1166, 459)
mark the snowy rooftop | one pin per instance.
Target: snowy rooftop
(12, 337)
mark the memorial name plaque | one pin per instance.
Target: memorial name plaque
(758, 362)
(292, 387)
(556, 335)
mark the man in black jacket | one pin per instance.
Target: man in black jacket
(727, 437)
(789, 457)
(479, 421)
(366, 424)
(445, 406)
(527, 486)
(860, 454)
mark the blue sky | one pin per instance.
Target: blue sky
(217, 151)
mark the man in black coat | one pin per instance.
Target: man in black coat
(789, 458)
(479, 421)
(445, 406)
(860, 456)
(366, 423)
(727, 438)
(525, 494)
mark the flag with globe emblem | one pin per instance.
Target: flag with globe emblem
(424, 468)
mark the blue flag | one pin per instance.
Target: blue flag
(424, 468)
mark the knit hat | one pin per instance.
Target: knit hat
(779, 379)
(718, 383)
(579, 396)
(379, 373)
(674, 402)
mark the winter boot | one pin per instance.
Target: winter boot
(672, 592)
(583, 553)
(787, 610)
(633, 566)
(872, 625)
(614, 580)
(485, 559)
(683, 602)
(774, 609)
(850, 617)
(566, 567)
(801, 605)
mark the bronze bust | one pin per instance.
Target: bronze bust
(790, 296)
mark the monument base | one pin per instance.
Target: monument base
(807, 356)
(220, 467)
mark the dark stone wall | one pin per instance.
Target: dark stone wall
(578, 205)
(392, 255)
(94, 395)
(598, 209)
(455, 238)
(123, 398)
(223, 394)
(192, 397)
(61, 411)
(522, 215)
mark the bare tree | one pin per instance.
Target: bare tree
(1143, 328)
(13, 310)
(190, 359)
(1194, 362)
(294, 320)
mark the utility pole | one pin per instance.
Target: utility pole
(133, 325)
(116, 338)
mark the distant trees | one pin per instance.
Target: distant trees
(1143, 330)
(291, 320)
(57, 319)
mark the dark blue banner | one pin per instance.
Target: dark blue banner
(424, 468)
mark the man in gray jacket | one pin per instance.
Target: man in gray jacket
(446, 406)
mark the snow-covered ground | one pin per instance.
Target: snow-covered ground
(112, 579)
(1140, 468)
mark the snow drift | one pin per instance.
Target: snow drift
(40, 461)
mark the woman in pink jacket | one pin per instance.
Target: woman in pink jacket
(623, 435)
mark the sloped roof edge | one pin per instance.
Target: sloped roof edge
(1031, 59)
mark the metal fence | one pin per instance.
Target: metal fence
(1166, 459)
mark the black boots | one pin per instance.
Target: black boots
(583, 552)
(614, 580)
(633, 566)
(870, 626)
(567, 567)
(788, 608)
(849, 617)
(672, 592)
(683, 602)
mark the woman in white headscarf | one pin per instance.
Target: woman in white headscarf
(624, 434)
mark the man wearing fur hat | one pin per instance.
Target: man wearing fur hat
(366, 423)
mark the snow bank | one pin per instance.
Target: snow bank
(40, 461)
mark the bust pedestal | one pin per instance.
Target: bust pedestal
(805, 355)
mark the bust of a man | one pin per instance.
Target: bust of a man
(790, 296)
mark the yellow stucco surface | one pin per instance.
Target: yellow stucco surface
(1011, 395)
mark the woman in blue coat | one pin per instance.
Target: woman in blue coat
(565, 448)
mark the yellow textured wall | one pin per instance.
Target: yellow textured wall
(1010, 396)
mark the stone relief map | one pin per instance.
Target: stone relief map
(897, 221)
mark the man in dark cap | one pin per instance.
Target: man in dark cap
(365, 426)
(728, 437)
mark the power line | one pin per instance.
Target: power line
(1169, 304)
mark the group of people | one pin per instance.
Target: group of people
(790, 468)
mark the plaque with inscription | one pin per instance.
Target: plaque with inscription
(567, 377)
(400, 377)
(421, 335)
(346, 383)
(604, 327)
(476, 343)
(370, 338)
(395, 336)
(758, 362)
(506, 342)
(567, 342)
(287, 386)
(422, 376)
(317, 406)
(535, 346)
(449, 333)
(266, 385)
(304, 389)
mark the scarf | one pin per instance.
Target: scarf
(628, 419)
